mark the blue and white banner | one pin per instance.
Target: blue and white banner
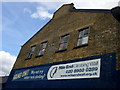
(74, 70)
(37, 73)
(81, 69)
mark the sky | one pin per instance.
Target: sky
(21, 19)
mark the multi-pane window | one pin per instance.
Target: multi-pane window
(83, 37)
(64, 42)
(31, 52)
(42, 48)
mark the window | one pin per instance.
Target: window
(31, 52)
(83, 37)
(63, 42)
(42, 48)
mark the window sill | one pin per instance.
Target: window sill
(80, 46)
(39, 56)
(60, 50)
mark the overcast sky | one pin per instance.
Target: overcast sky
(21, 20)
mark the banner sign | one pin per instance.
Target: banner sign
(74, 70)
(37, 73)
(81, 69)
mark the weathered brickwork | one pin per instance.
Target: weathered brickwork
(103, 37)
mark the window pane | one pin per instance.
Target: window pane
(42, 48)
(32, 49)
(29, 56)
(65, 46)
(61, 46)
(41, 52)
(86, 32)
(64, 39)
(83, 37)
(63, 42)
(79, 42)
(44, 45)
(80, 34)
(31, 52)
(85, 40)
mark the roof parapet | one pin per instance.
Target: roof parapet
(116, 13)
(65, 9)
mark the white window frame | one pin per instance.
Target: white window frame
(83, 36)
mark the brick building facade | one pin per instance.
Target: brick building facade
(74, 34)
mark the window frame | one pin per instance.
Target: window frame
(39, 55)
(64, 42)
(83, 36)
(30, 53)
